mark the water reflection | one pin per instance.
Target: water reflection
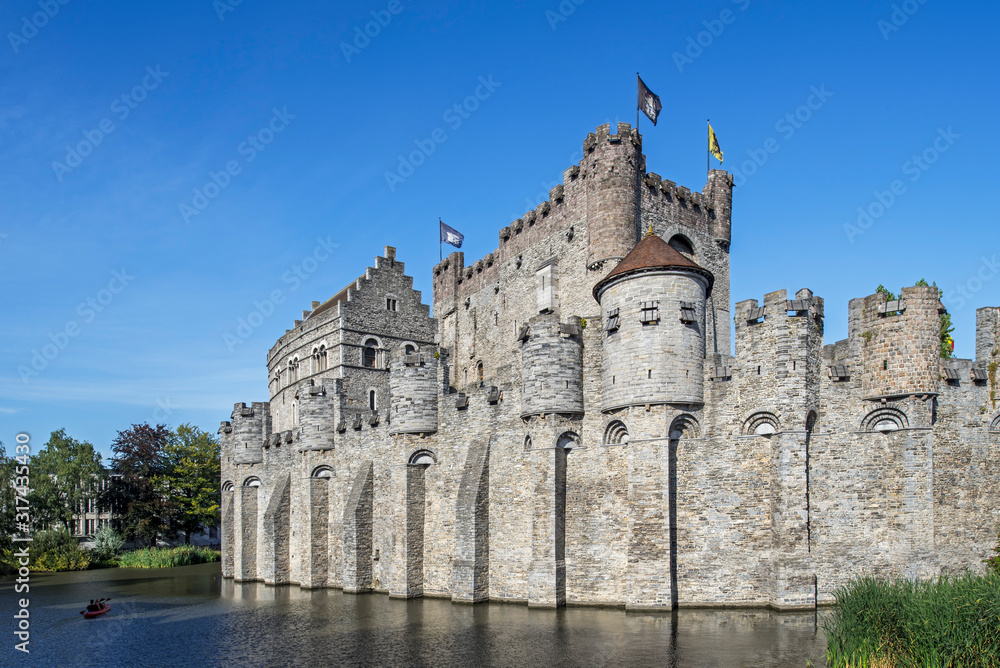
(192, 616)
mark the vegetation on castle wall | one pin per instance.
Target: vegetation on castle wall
(942, 622)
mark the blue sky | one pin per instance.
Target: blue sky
(207, 150)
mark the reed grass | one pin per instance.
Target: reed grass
(167, 557)
(950, 621)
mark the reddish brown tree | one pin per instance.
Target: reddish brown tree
(136, 468)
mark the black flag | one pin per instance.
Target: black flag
(450, 235)
(648, 102)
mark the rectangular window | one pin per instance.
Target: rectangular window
(390, 304)
(650, 313)
(688, 312)
(612, 321)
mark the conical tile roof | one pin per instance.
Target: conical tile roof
(651, 254)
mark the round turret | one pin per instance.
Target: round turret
(551, 366)
(413, 392)
(653, 311)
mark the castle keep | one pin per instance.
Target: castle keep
(571, 426)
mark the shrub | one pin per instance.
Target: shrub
(57, 550)
(942, 622)
(107, 543)
(167, 557)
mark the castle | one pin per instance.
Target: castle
(570, 426)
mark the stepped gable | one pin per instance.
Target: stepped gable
(652, 254)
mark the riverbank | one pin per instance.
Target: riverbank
(80, 559)
(901, 623)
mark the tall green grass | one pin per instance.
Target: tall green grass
(950, 622)
(167, 557)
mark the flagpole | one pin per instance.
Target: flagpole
(708, 150)
(636, 101)
(440, 255)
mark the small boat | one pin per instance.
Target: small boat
(96, 608)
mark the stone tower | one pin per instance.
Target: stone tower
(611, 167)
(653, 308)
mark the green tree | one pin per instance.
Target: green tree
(191, 481)
(139, 461)
(7, 508)
(64, 474)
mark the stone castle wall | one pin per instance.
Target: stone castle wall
(502, 463)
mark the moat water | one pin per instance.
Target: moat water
(191, 616)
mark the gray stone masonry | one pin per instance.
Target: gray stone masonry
(515, 447)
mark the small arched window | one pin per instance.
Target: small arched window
(372, 400)
(409, 349)
(616, 433)
(293, 370)
(252, 481)
(369, 354)
(322, 472)
(479, 372)
(761, 423)
(682, 245)
(421, 458)
(323, 364)
(227, 486)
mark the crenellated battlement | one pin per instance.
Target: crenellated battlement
(601, 192)
(753, 318)
(900, 342)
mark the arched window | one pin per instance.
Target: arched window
(422, 458)
(682, 245)
(995, 426)
(527, 443)
(322, 359)
(761, 423)
(293, 370)
(227, 486)
(372, 400)
(252, 481)
(884, 420)
(323, 471)
(616, 433)
(295, 413)
(479, 372)
(409, 349)
(369, 354)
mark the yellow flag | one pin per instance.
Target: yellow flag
(713, 144)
